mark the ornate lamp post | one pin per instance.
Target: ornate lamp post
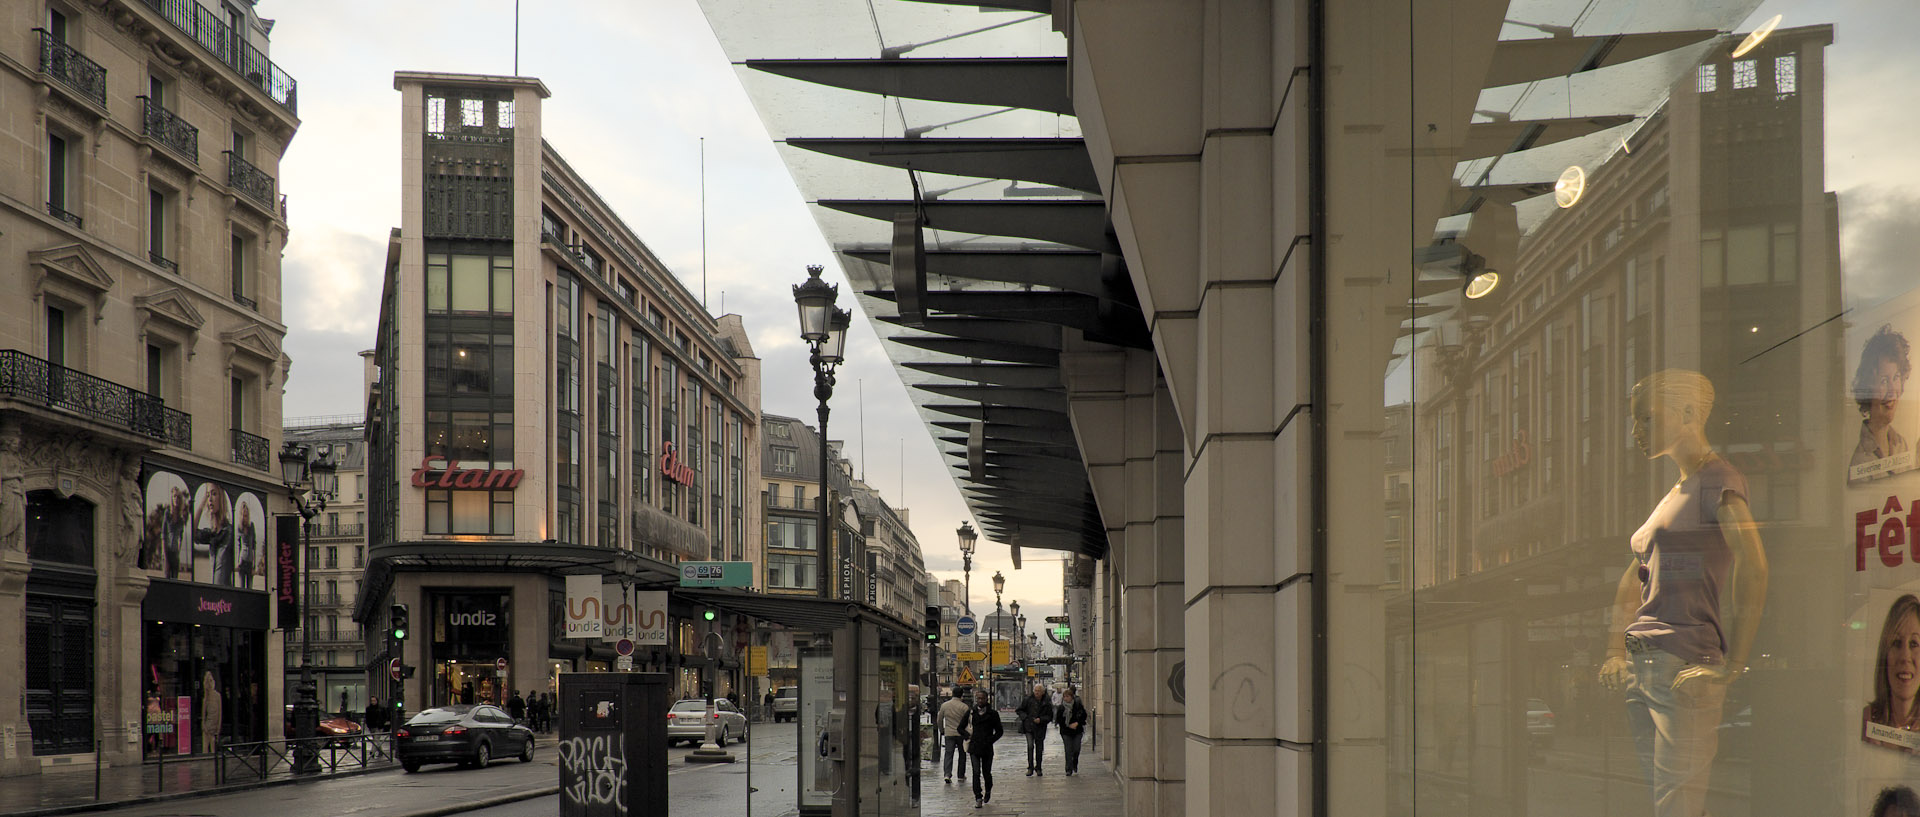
(967, 540)
(309, 476)
(1020, 625)
(824, 327)
(999, 584)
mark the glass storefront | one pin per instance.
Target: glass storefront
(203, 668)
(470, 630)
(1650, 496)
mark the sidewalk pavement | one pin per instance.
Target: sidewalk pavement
(1093, 790)
(72, 789)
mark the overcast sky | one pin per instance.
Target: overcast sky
(636, 86)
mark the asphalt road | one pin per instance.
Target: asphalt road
(694, 788)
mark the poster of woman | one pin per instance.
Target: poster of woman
(1879, 381)
(1892, 716)
(166, 548)
(213, 535)
(249, 565)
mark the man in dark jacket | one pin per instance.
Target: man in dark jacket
(1035, 713)
(517, 707)
(1072, 718)
(376, 715)
(980, 729)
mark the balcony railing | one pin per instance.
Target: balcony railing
(244, 177)
(249, 449)
(245, 301)
(28, 378)
(787, 503)
(72, 68)
(342, 529)
(69, 217)
(162, 261)
(167, 128)
(226, 45)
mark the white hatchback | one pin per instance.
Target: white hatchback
(687, 721)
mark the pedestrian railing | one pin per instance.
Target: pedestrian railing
(302, 756)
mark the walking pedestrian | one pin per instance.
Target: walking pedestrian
(1034, 714)
(953, 716)
(376, 717)
(546, 712)
(1072, 718)
(766, 711)
(981, 728)
(517, 707)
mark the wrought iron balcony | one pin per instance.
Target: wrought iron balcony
(254, 182)
(68, 217)
(162, 261)
(249, 449)
(226, 45)
(72, 68)
(29, 379)
(167, 128)
(246, 302)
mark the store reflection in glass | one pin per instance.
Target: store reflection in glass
(1571, 186)
(1753, 39)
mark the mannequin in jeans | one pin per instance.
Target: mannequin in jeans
(1688, 606)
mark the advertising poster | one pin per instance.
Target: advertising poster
(197, 530)
(1883, 509)
(584, 617)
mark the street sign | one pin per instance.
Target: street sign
(623, 663)
(393, 669)
(757, 661)
(1002, 652)
(499, 665)
(965, 626)
(623, 647)
(967, 643)
(966, 673)
(1060, 659)
(1056, 619)
(971, 656)
(716, 574)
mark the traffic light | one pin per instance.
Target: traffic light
(397, 618)
(708, 613)
(933, 624)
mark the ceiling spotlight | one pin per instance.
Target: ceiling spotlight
(1572, 185)
(1482, 285)
(1753, 39)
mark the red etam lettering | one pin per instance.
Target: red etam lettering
(437, 472)
(672, 468)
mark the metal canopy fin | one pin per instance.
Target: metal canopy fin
(1036, 83)
(1061, 162)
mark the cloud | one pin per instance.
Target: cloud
(1879, 242)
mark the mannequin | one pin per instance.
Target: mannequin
(1688, 606)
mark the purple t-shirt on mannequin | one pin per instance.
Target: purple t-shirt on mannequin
(1684, 563)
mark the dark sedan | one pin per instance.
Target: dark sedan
(470, 735)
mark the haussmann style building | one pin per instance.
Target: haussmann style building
(141, 228)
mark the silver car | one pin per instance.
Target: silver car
(687, 721)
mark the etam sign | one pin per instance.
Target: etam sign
(439, 472)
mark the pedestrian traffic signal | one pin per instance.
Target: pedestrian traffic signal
(708, 614)
(397, 617)
(933, 624)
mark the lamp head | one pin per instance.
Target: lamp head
(967, 537)
(834, 350)
(293, 464)
(814, 298)
(999, 582)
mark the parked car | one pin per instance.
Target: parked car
(470, 735)
(786, 704)
(341, 731)
(687, 721)
(1539, 725)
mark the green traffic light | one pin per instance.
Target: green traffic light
(707, 614)
(399, 633)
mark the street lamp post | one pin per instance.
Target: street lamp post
(309, 476)
(999, 584)
(824, 327)
(967, 540)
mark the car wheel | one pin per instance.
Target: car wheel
(723, 736)
(526, 752)
(481, 757)
(410, 765)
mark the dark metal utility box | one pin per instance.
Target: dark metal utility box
(613, 744)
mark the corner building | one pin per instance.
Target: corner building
(141, 228)
(545, 400)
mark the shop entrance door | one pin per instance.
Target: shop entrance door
(60, 674)
(464, 683)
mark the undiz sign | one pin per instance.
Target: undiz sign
(439, 472)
